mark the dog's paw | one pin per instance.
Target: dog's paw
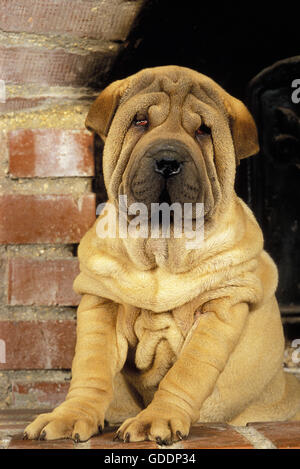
(64, 423)
(154, 426)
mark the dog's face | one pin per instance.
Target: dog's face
(171, 135)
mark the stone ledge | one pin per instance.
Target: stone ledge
(79, 46)
(108, 19)
(30, 97)
(266, 435)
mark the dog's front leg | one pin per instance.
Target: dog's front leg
(192, 378)
(82, 413)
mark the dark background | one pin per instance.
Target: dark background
(229, 41)
(232, 42)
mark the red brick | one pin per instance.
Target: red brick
(50, 152)
(42, 282)
(57, 66)
(38, 345)
(284, 435)
(17, 442)
(219, 441)
(17, 420)
(107, 20)
(45, 218)
(45, 394)
(215, 436)
(106, 440)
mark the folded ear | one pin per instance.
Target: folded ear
(102, 110)
(243, 129)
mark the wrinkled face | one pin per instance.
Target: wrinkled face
(169, 138)
(170, 147)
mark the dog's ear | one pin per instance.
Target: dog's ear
(104, 107)
(243, 129)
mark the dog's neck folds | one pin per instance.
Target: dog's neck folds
(168, 278)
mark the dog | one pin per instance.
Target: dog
(168, 335)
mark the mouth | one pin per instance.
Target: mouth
(165, 196)
(168, 167)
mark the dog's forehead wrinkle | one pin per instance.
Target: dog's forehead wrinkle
(170, 82)
(200, 94)
(178, 85)
(139, 83)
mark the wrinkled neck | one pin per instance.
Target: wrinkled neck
(179, 255)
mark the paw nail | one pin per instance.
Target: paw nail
(116, 436)
(43, 435)
(100, 429)
(77, 438)
(25, 436)
(179, 435)
(159, 440)
(127, 438)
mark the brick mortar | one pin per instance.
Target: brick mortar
(65, 115)
(4, 154)
(4, 441)
(29, 98)
(9, 377)
(93, 12)
(73, 186)
(37, 313)
(82, 445)
(257, 439)
(34, 376)
(40, 251)
(177, 445)
(79, 46)
(38, 91)
(4, 282)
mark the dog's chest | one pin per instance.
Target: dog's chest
(159, 339)
(154, 344)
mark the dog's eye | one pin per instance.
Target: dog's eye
(203, 130)
(140, 122)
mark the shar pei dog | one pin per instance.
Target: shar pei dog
(170, 334)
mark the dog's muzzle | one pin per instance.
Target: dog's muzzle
(167, 167)
(168, 158)
(166, 172)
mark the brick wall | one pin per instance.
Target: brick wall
(53, 54)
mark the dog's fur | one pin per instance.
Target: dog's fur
(168, 336)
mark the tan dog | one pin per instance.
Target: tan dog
(168, 336)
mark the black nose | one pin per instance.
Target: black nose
(167, 167)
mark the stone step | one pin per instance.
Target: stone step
(265, 435)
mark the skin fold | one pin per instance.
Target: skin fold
(166, 335)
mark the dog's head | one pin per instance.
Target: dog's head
(171, 135)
